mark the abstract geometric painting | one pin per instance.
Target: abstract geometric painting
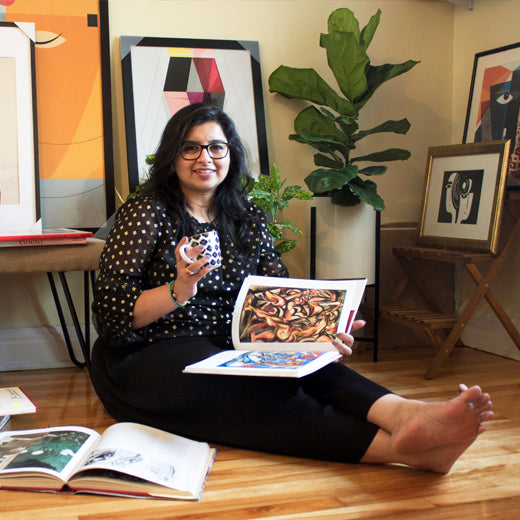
(73, 106)
(162, 75)
(494, 103)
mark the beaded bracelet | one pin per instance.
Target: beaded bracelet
(173, 296)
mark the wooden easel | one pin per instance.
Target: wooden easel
(445, 330)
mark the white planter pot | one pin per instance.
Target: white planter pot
(345, 240)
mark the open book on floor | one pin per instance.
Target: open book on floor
(285, 326)
(128, 459)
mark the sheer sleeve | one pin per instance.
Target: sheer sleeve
(122, 269)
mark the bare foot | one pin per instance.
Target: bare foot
(457, 422)
(440, 459)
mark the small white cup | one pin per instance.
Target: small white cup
(211, 243)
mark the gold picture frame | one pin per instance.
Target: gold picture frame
(463, 194)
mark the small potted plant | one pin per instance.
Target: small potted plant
(271, 194)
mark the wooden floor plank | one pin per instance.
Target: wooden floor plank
(483, 484)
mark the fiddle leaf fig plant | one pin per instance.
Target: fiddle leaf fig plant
(271, 195)
(330, 123)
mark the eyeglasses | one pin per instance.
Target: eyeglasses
(192, 151)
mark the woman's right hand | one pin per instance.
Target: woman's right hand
(189, 274)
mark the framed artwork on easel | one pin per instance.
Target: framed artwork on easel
(161, 75)
(463, 194)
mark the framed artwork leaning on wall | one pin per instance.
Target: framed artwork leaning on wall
(494, 103)
(162, 75)
(19, 194)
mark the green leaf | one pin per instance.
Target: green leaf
(258, 194)
(347, 59)
(348, 125)
(322, 180)
(379, 74)
(327, 113)
(296, 192)
(274, 230)
(391, 154)
(287, 224)
(323, 144)
(374, 170)
(275, 176)
(307, 84)
(368, 32)
(344, 20)
(312, 121)
(328, 162)
(285, 246)
(366, 190)
(398, 127)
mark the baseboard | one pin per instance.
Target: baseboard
(30, 348)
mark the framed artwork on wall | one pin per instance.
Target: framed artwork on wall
(161, 75)
(74, 109)
(462, 197)
(19, 196)
(494, 103)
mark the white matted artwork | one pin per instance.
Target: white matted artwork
(19, 196)
(463, 193)
(161, 75)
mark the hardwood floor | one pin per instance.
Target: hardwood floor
(483, 484)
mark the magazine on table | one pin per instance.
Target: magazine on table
(128, 459)
(285, 326)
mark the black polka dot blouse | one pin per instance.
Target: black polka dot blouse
(140, 254)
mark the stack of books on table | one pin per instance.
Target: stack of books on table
(13, 401)
(47, 237)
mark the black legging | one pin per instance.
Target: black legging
(321, 416)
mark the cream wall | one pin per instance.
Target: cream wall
(288, 32)
(432, 96)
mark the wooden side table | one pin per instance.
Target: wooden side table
(60, 259)
(432, 320)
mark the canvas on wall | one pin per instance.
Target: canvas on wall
(161, 75)
(74, 128)
(494, 103)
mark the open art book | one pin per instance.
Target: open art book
(128, 459)
(284, 326)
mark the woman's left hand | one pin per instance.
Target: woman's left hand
(343, 342)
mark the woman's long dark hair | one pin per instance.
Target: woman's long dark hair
(230, 202)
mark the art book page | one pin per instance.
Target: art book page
(287, 314)
(147, 453)
(55, 452)
(270, 363)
